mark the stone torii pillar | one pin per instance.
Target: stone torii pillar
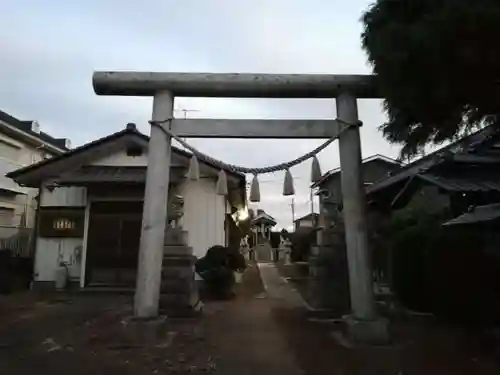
(363, 322)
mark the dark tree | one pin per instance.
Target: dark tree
(438, 67)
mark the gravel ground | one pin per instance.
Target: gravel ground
(264, 330)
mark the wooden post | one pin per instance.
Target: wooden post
(154, 215)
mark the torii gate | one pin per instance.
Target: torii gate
(163, 87)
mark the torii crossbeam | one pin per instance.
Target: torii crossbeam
(163, 87)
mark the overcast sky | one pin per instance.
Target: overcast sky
(50, 48)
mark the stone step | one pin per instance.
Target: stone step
(182, 300)
(176, 236)
(177, 250)
(181, 272)
(178, 286)
(178, 261)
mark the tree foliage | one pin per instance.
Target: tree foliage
(438, 67)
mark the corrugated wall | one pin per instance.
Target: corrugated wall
(64, 197)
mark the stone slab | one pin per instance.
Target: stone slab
(177, 250)
(178, 272)
(178, 261)
(145, 331)
(176, 286)
(175, 236)
(369, 332)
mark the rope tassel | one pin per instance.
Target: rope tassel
(288, 188)
(255, 190)
(194, 169)
(222, 183)
(315, 170)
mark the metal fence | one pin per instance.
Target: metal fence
(20, 244)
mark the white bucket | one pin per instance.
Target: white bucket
(238, 277)
(61, 277)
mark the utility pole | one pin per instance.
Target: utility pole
(292, 205)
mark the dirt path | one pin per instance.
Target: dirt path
(245, 336)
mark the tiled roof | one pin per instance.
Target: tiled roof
(7, 183)
(26, 127)
(462, 185)
(312, 215)
(477, 214)
(265, 217)
(370, 159)
(463, 146)
(476, 159)
(130, 130)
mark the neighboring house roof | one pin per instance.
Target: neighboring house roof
(448, 184)
(312, 215)
(478, 214)
(461, 184)
(130, 130)
(26, 128)
(335, 171)
(7, 184)
(265, 218)
(424, 164)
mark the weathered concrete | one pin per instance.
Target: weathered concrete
(354, 212)
(154, 213)
(179, 290)
(251, 129)
(363, 309)
(235, 85)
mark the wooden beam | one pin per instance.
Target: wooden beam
(221, 128)
(235, 85)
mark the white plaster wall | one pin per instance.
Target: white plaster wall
(204, 215)
(51, 251)
(15, 154)
(306, 224)
(64, 197)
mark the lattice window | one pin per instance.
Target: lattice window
(6, 217)
(9, 151)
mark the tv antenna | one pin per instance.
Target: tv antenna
(186, 111)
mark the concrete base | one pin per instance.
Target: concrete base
(145, 331)
(371, 332)
(43, 286)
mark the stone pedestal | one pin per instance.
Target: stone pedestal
(328, 284)
(179, 292)
(368, 332)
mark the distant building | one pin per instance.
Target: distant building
(373, 169)
(262, 225)
(22, 143)
(306, 222)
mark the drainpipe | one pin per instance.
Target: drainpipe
(38, 200)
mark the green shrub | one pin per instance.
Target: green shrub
(442, 270)
(217, 269)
